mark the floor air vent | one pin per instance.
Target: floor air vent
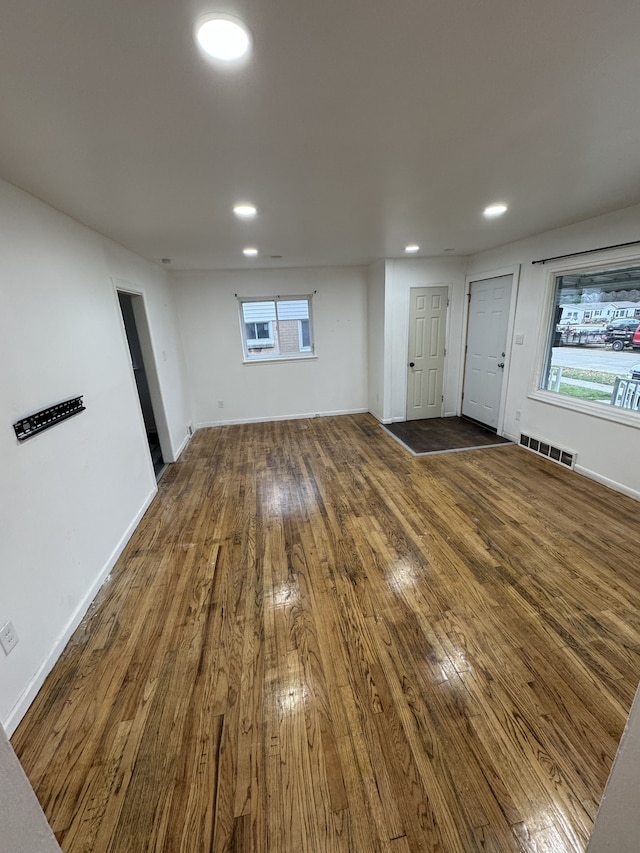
(543, 448)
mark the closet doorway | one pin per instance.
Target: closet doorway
(132, 308)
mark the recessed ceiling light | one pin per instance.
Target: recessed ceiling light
(250, 252)
(245, 210)
(223, 37)
(494, 210)
(411, 248)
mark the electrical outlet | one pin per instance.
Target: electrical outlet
(517, 414)
(221, 404)
(8, 637)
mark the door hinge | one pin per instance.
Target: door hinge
(447, 303)
(469, 296)
(442, 399)
(445, 351)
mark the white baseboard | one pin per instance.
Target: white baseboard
(29, 694)
(182, 447)
(605, 481)
(301, 416)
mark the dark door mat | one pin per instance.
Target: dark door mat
(443, 435)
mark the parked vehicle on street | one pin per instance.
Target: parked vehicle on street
(621, 334)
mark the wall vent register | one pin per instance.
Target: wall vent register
(45, 418)
(543, 448)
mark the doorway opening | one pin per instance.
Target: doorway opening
(132, 307)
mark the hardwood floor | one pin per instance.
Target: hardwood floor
(315, 642)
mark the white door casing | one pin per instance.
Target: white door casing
(425, 372)
(487, 329)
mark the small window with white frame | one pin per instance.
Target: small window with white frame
(592, 358)
(279, 327)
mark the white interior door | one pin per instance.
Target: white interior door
(427, 323)
(486, 348)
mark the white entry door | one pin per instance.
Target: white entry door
(427, 323)
(486, 348)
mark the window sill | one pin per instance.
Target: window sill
(279, 358)
(603, 411)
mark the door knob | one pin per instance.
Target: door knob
(412, 364)
(501, 364)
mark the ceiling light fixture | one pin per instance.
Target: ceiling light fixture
(250, 252)
(494, 210)
(412, 248)
(244, 210)
(223, 37)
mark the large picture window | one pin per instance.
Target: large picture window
(276, 328)
(593, 354)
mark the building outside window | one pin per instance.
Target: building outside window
(304, 335)
(259, 334)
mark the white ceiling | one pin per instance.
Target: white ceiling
(357, 126)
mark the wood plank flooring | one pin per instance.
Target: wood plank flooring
(315, 642)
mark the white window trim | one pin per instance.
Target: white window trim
(607, 260)
(306, 356)
(309, 353)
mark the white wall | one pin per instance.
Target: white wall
(376, 346)
(23, 826)
(401, 275)
(603, 447)
(72, 495)
(335, 382)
